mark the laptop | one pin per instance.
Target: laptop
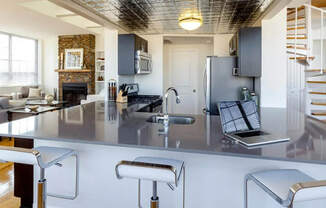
(240, 121)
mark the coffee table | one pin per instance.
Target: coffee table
(18, 113)
(55, 103)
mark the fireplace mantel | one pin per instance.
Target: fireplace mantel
(73, 70)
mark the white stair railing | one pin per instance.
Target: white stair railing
(316, 104)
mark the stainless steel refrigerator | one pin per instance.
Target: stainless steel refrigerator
(221, 84)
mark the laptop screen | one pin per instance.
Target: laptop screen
(238, 116)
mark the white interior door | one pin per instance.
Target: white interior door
(183, 76)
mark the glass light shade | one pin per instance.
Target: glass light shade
(190, 19)
(190, 23)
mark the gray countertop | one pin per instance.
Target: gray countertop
(112, 124)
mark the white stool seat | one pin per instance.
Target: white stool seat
(278, 184)
(151, 168)
(44, 157)
(156, 170)
(52, 155)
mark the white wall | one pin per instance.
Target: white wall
(49, 64)
(99, 41)
(221, 44)
(111, 56)
(274, 63)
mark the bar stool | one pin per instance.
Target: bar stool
(44, 157)
(153, 169)
(286, 185)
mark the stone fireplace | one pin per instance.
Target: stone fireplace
(78, 77)
(86, 77)
(74, 93)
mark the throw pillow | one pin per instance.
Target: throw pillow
(25, 90)
(34, 92)
(4, 102)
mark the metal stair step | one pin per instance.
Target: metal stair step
(298, 38)
(292, 10)
(303, 58)
(318, 102)
(297, 47)
(314, 70)
(296, 53)
(318, 112)
(316, 82)
(296, 28)
(317, 93)
(298, 18)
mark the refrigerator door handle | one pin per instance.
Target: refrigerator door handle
(207, 85)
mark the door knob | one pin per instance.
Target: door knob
(194, 90)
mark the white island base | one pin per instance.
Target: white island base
(212, 181)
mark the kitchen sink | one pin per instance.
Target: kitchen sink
(181, 120)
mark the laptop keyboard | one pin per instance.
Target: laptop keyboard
(251, 134)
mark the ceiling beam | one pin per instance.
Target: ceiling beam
(66, 15)
(90, 14)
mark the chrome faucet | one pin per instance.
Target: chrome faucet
(167, 95)
(165, 116)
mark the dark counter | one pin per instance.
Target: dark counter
(105, 123)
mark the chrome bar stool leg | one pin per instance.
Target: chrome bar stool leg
(41, 196)
(184, 187)
(76, 182)
(154, 199)
(139, 190)
(246, 192)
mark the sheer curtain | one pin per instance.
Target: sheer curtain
(18, 61)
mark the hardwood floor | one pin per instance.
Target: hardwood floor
(7, 199)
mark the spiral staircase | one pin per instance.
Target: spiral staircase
(306, 64)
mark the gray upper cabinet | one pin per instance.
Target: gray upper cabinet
(128, 44)
(249, 51)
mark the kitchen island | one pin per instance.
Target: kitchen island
(105, 133)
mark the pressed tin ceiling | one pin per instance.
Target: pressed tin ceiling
(161, 16)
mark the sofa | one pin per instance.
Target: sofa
(23, 90)
(5, 99)
(4, 107)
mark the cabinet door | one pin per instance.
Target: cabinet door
(141, 44)
(126, 54)
(250, 52)
(145, 45)
(137, 43)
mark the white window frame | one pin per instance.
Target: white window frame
(10, 35)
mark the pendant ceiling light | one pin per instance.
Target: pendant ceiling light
(190, 20)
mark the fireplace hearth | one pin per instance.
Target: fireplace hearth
(73, 93)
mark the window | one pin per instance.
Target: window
(18, 60)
